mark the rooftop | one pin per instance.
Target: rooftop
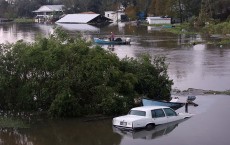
(50, 8)
(77, 18)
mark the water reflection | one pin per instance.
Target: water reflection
(153, 28)
(63, 132)
(157, 132)
(111, 47)
(191, 65)
(45, 29)
(200, 66)
(12, 32)
(79, 27)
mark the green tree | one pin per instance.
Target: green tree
(67, 77)
(95, 6)
(3, 8)
(153, 81)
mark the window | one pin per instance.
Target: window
(137, 112)
(158, 113)
(170, 112)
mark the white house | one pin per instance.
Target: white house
(49, 12)
(115, 16)
(111, 15)
(158, 20)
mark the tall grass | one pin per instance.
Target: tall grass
(221, 28)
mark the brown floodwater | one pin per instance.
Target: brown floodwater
(198, 66)
(209, 126)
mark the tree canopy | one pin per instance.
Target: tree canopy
(174, 8)
(66, 77)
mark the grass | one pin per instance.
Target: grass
(181, 29)
(225, 41)
(9, 122)
(24, 20)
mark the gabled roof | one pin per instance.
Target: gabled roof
(50, 8)
(77, 18)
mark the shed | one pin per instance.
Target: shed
(158, 20)
(84, 18)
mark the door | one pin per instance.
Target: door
(158, 116)
(171, 115)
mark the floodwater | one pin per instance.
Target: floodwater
(198, 66)
(209, 126)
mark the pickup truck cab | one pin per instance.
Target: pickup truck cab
(148, 117)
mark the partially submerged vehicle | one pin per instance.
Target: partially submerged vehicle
(148, 117)
(154, 133)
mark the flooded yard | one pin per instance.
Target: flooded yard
(198, 66)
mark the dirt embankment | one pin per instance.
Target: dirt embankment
(193, 91)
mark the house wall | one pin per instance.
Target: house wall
(113, 15)
(158, 20)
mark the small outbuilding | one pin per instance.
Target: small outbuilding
(158, 20)
(84, 18)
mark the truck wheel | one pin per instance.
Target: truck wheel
(150, 126)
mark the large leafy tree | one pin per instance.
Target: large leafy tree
(27, 11)
(66, 77)
(95, 6)
(3, 8)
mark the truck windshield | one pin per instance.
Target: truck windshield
(137, 112)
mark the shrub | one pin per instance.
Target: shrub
(65, 105)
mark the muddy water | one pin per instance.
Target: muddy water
(198, 66)
(209, 126)
(190, 66)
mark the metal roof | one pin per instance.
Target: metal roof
(77, 18)
(50, 8)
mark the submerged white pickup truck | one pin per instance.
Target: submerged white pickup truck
(148, 117)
